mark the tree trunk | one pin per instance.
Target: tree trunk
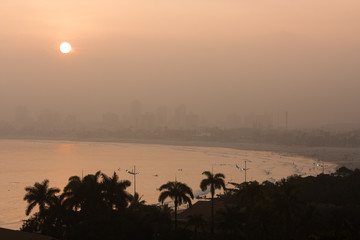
(176, 214)
(212, 212)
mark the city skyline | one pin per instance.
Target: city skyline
(238, 57)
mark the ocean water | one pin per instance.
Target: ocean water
(24, 162)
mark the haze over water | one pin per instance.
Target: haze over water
(22, 163)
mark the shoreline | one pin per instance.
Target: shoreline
(329, 155)
(348, 157)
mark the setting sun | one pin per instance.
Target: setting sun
(65, 47)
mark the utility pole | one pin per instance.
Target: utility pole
(242, 169)
(134, 180)
(133, 173)
(245, 171)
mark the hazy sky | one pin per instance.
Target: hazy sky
(215, 56)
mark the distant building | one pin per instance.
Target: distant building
(258, 121)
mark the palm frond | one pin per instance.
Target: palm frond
(30, 207)
(219, 175)
(204, 184)
(167, 185)
(53, 191)
(207, 173)
(164, 195)
(187, 200)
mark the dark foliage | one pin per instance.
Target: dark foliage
(322, 207)
(313, 208)
(95, 207)
(177, 191)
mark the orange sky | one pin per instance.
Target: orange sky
(217, 57)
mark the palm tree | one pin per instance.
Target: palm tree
(56, 218)
(215, 182)
(177, 191)
(137, 201)
(114, 191)
(72, 194)
(85, 193)
(40, 194)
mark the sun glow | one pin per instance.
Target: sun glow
(65, 47)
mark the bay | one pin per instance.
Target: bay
(24, 162)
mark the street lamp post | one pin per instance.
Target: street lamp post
(242, 169)
(133, 173)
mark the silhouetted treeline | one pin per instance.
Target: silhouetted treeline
(322, 207)
(98, 207)
(94, 207)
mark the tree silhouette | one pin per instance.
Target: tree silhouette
(114, 192)
(40, 194)
(215, 182)
(72, 194)
(288, 203)
(177, 191)
(85, 194)
(196, 220)
(230, 222)
(321, 207)
(136, 201)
